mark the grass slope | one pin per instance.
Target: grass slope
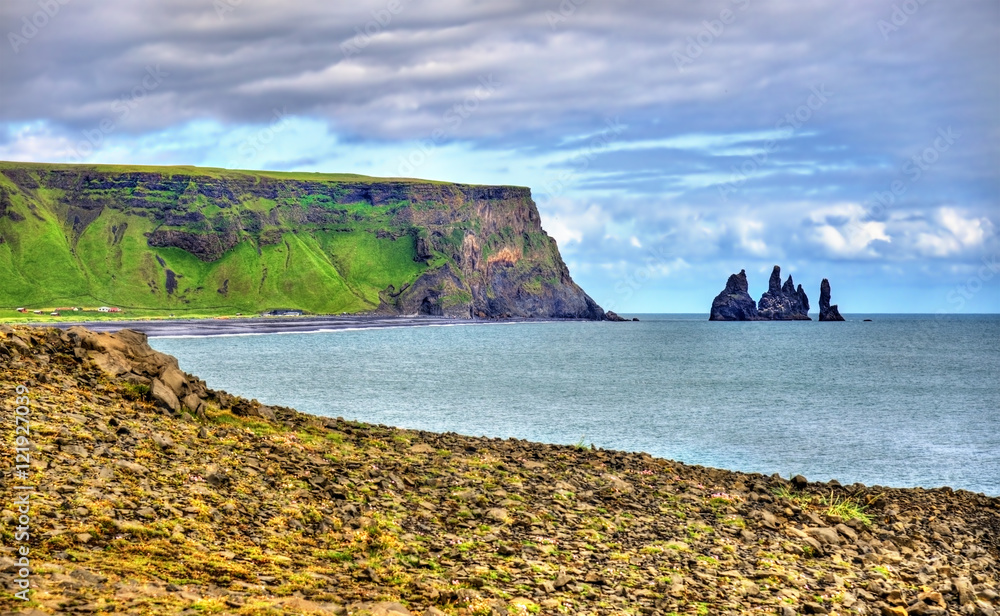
(47, 261)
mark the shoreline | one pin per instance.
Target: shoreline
(251, 326)
(157, 495)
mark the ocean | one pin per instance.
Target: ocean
(902, 400)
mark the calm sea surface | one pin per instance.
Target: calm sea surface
(904, 400)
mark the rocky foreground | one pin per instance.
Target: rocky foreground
(157, 495)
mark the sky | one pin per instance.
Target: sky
(667, 144)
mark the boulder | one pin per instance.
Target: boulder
(383, 608)
(826, 311)
(266, 412)
(123, 348)
(111, 364)
(194, 404)
(174, 379)
(783, 302)
(162, 441)
(17, 343)
(215, 476)
(164, 396)
(734, 303)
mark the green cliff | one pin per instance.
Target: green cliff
(202, 240)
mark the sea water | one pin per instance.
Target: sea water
(902, 400)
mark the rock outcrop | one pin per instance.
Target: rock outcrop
(126, 356)
(611, 315)
(783, 302)
(826, 311)
(734, 303)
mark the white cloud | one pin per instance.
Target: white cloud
(750, 239)
(843, 231)
(969, 232)
(954, 234)
(33, 142)
(568, 222)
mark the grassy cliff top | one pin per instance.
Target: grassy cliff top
(220, 173)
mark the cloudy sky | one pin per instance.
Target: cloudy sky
(668, 144)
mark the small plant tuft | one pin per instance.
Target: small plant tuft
(847, 509)
(136, 391)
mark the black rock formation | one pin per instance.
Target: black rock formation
(826, 311)
(734, 303)
(783, 303)
(611, 315)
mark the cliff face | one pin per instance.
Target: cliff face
(185, 238)
(783, 302)
(734, 303)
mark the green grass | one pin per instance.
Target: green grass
(45, 263)
(136, 391)
(844, 507)
(212, 172)
(78, 236)
(796, 498)
(847, 509)
(259, 427)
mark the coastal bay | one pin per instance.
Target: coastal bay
(905, 400)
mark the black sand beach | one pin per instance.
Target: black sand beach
(274, 325)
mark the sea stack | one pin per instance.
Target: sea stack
(826, 311)
(734, 303)
(783, 303)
